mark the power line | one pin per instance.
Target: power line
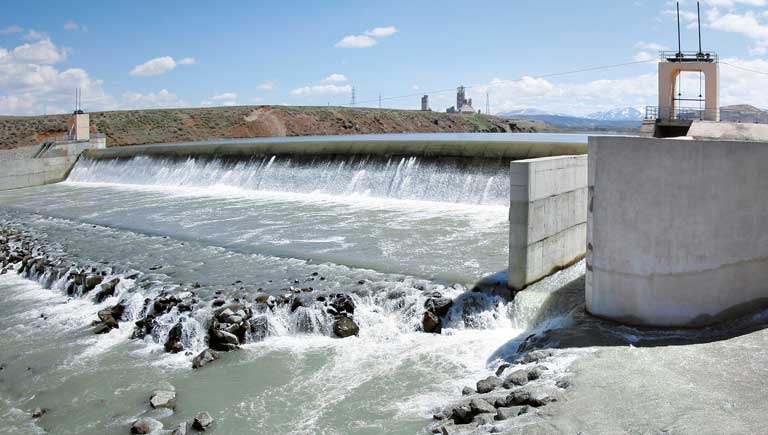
(744, 69)
(519, 79)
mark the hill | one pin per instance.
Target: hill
(133, 127)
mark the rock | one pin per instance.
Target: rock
(467, 391)
(203, 358)
(140, 426)
(342, 303)
(500, 370)
(462, 414)
(222, 340)
(535, 356)
(438, 305)
(542, 396)
(480, 406)
(488, 384)
(173, 344)
(483, 419)
(518, 398)
(518, 377)
(259, 327)
(181, 429)
(107, 290)
(431, 323)
(563, 383)
(535, 373)
(507, 412)
(344, 327)
(38, 412)
(223, 315)
(163, 399)
(202, 421)
(92, 281)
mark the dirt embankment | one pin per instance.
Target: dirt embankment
(134, 127)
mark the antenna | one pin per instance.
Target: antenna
(679, 44)
(698, 17)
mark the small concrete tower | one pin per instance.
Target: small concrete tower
(79, 125)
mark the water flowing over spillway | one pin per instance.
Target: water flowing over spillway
(478, 181)
(391, 233)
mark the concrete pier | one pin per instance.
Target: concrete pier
(677, 230)
(547, 216)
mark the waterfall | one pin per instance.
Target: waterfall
(452, 180)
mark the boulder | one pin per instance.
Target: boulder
(344, 327)
(500, 370)
(536, 372)
(483, 419)
(173, 344)
(140, 426)
(342, 303)
(518, 377)
(438, 305)
(107, 290)
(181, 429)
(480, 406)
(488, 384)
(92, 281)
(203, 358)
(259, 327)
(467, 391)
(462, 414)
(163, 399)
(507, 412)
(202, 421)
(39, 412)
(222, 340)
(431, 323)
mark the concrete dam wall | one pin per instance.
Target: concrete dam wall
(677, 230)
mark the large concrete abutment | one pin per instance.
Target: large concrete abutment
(677, 232)
(547, 216)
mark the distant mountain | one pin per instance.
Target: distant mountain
(621, 114)
(577, 123)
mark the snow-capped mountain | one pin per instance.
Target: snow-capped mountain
(529, 111)
(620, 114)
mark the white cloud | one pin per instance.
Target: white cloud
(41, 52)
(321, 90)
(156, 100)
(334, 78)
(369, 38)
(356, 41)
(30, 84)
(382, 32)
(159, 65)
(225, 99)
(34, 35)
(11, 29)
(71, 25)
(738, 86)
(266, 86)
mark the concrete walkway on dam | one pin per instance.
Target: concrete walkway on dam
(480, 145)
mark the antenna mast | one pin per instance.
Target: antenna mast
(679, 44)
(698, 17)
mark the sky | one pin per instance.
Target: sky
(149, 54)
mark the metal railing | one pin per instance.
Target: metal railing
(699, 114)
(688, 56)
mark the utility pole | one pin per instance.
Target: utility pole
(487, 105)
(352, 103)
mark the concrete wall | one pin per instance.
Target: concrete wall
(547, 216)
(16, 174)
(677, 230)
(728, 131)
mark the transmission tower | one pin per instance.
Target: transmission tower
(352, 103)
(379, 100)
(487, 105)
